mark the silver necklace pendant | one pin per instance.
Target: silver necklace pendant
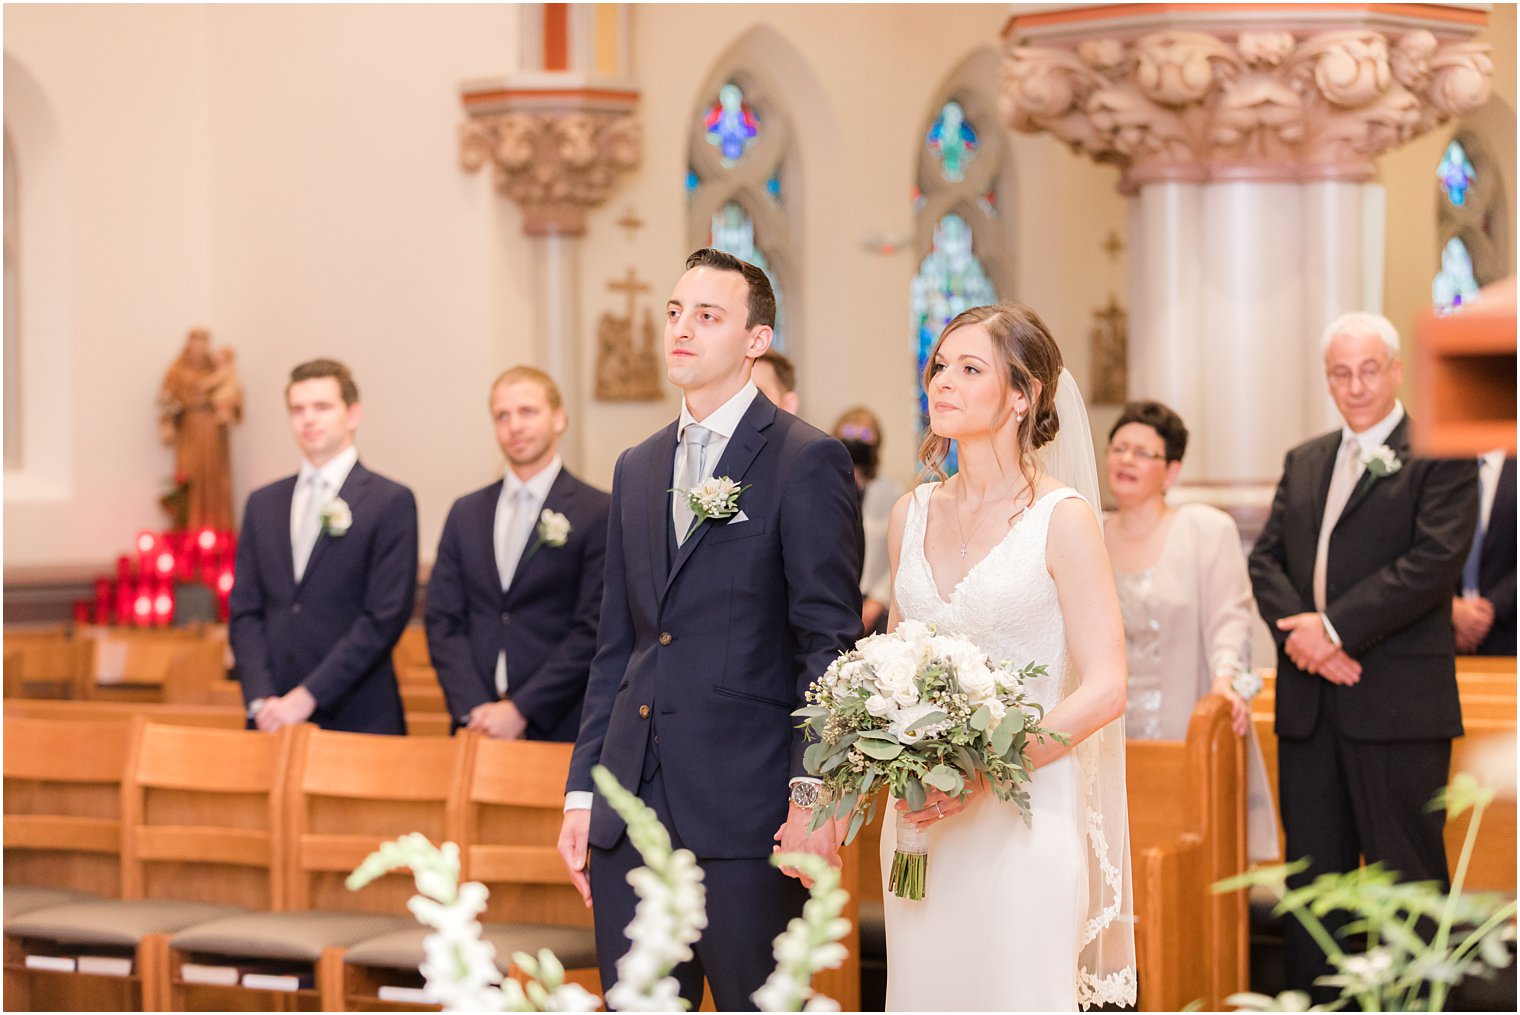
(963, 551)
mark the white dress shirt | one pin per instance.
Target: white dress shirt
(334, 474)
(1368, 440)
(722, 421)
(1488, 485)
(508, 557)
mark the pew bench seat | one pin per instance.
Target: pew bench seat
(112, 922)
(23, 899)
(575, 947)
(299, 936)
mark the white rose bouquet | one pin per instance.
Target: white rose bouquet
(916, 709)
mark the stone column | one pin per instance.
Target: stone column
(556, 137)
(1247, 135)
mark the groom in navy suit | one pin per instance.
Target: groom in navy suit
(326, 574)
(514, 597)
(711, 631)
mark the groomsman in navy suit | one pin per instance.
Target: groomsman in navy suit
(1483, 611)
(514, 597)
(711, 631)
(326, 574)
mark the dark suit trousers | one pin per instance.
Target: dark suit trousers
(749, 902)
(1347, 799)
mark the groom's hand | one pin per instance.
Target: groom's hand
(573, 834)
(794, 837)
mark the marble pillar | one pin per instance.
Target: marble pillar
(1247, 136)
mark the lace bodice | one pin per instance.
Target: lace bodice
(1006, 604)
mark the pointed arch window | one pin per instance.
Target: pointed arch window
(960, 231)
(1472, 222)
(739, 164)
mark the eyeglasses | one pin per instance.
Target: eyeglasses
(1140, 454)
(1368, 374)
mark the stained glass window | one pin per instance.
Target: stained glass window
(731, 124)
(1456, 174)
(952, 140)
(733, 230)
(949, 280)
(1455, 286)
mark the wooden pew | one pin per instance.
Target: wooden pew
(1487, 689)
(1187, 830)
(200, 838)
(347, 793)
(50, 663)
(63, 802)
(229, 716)
(62, 830)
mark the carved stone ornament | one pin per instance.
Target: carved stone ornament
(554, 164)
(627, 371)
(1267, 103)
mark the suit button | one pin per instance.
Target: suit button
(506, 618)
(295, 607)
(665, 638)
(643, 711)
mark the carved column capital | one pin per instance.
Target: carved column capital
(555, 153)
(1254, 93)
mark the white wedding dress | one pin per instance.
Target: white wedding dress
(1006, 912)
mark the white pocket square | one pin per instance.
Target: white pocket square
(740, 517)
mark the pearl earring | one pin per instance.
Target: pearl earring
(1020, 417)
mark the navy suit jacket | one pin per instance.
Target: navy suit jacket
(711, 645)
(1395, 554)
(333, 632)
(1496, 568)
(545, 621)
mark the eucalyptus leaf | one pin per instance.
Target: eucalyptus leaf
(1002, 737)
(855, 823)
(881, 751)
(928, 720)
(980, 718)
(916, 796)
(943, 778)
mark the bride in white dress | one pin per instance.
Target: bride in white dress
(1017, 916)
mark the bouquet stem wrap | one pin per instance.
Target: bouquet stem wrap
(910, 860)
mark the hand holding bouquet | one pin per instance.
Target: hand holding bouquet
(913, 710)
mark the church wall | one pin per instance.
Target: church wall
(858, 83)
(288, 176)
(121, 91)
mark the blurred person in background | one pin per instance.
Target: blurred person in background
(860, 431)
(1186, 599)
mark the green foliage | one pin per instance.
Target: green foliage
(1400, 970)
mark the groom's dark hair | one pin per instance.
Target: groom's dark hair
(762, 298)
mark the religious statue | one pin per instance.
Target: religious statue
(200, 401)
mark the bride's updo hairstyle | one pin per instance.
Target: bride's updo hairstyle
(1031, 365)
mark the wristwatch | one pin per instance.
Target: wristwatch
(255, 707)
(806, 793)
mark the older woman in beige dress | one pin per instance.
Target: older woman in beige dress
(1186, 600)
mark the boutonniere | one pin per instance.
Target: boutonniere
(553, 529)
(336, 517)
(717, 497)
(1381, 461)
